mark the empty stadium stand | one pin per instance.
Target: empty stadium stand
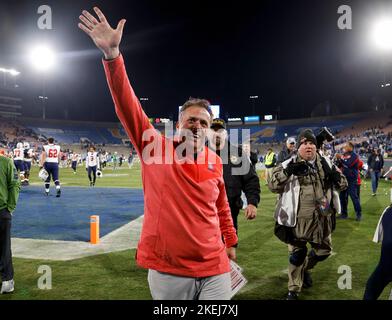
(267, 132)
(74, 132)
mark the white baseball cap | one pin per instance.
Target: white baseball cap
(291, 140)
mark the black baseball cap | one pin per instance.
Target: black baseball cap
(218, 123)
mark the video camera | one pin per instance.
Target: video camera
(324, 135)
(299, 169)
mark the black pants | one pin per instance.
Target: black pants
(234, 214)
(92, 170)
(359, 192)
(382, 276)
(6, 267)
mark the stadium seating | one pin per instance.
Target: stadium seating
(278, 132)
(76, 132)
(77, 135)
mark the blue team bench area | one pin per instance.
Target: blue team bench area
(38, 216)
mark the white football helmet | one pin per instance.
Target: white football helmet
(26, 145)
(19, 145)
(43, 174)
(99, 174)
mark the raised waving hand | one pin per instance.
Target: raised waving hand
(104, 36)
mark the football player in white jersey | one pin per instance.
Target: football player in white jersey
(18, 156)
(50, 161)
(28, 158)
(74, 159)
(103, 159)
(92, 164)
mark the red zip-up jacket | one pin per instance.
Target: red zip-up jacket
(360, 166)
(186, 209)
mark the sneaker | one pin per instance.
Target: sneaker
(91, 184)
(373, 194)
(7, 286)
(58, 194)
(308, 282)
(292, 295)
(342, 217)
(358, 219)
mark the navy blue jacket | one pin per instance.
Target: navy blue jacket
(350, 163)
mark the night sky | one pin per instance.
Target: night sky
(289, 53)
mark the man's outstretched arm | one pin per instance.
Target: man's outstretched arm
(128, 107)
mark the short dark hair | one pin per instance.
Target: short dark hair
(196, 102)
(51, 140)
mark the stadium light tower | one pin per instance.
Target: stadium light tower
(144, 102)
(253, 99)
(43, 59)
(382, 34)
(12, 72)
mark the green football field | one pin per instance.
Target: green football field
(263, 257)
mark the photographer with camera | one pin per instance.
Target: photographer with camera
(306, 208)
(288, 150)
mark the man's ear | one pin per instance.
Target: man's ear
(177, 125)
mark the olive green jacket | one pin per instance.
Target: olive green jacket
(289, 190)
(9, 184)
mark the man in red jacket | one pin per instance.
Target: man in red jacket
(360, 166)
(186, 208)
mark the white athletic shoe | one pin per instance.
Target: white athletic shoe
(7, 286)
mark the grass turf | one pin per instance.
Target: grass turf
(263, 257)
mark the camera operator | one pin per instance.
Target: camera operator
(306, 208)
(288, 151)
